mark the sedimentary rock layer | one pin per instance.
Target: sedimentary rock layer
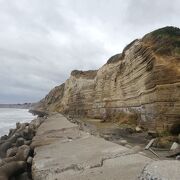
(144, 80)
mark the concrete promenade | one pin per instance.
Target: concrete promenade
(63, 152)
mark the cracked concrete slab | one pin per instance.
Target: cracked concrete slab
(55, 122)
(73, 154)
(54, 130)
(127, 167)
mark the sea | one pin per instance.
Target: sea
(10, 116)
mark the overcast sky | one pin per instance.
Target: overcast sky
(42, 41)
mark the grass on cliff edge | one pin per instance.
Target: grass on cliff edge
(169, 31)
(165, 41)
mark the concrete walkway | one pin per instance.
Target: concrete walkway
(63, 152)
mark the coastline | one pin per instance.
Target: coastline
(16, 151)
(10, 116)
(64, 150)
(25, 149)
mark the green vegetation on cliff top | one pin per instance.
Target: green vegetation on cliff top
(169, 31)
(165, 41)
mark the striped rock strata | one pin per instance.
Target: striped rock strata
(144, 81)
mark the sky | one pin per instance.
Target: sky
(42, 41)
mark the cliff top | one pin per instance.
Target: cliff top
(164, 41)
(91, 74)
(168, 31)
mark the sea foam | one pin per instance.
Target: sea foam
(9, 117)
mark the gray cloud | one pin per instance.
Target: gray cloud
(41, 41)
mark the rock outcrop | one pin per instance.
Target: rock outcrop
(143, 81)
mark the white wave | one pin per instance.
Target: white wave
(9, 117)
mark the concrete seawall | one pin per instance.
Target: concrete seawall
(62, 151)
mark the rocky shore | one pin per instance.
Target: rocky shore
(16, 152)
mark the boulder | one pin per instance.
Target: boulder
(21, 155)
(37, 122)
(20, 142)
(3, 148)
(174, 146)
(123, 142)
(13, 138)
(28, 132)
(23, 152)
(138, 129)
(12, 168)
(178, 157)
(11, 152)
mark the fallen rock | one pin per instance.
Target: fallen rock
(178, 157)
(123, 142)
(138, 129)
(161, 170)
(174, 146)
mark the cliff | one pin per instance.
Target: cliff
(141, 83)
(18, 106)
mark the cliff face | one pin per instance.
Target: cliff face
(144, 80)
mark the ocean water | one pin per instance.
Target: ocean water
(9, 117)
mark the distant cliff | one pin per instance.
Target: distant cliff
(19, 106)
(143, 80)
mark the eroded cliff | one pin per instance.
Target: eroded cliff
(143, 81)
